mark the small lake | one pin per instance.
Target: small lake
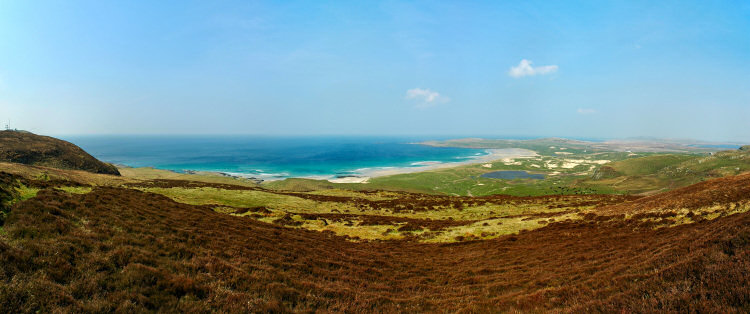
(512, 174)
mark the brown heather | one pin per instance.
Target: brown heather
(122, 250)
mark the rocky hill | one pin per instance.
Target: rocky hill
(31, 149)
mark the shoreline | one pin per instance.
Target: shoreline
(493, 155)
(363, 175)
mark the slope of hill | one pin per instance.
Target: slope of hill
(118, 249)
(722, 194)
(31, 149)
(667, 171)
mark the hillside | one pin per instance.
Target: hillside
(663, 172)
(31, 149)
(103, 249)
(722, 195)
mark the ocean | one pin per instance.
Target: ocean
(270, 158)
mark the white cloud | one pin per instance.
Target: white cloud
(425, 97)
(586, 111)
(525, 68)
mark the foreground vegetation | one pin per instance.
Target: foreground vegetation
(374, 215)
(119, 249)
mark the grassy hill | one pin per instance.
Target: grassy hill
(31, 149)
(667, 171)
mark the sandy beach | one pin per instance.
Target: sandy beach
(493, 155)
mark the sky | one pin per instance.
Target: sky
(589, 69)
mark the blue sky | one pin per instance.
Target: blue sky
(595, 69)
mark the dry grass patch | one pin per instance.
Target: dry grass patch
(147, 173)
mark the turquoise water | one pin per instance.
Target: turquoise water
(269, 157)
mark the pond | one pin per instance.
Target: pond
(510, 175)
